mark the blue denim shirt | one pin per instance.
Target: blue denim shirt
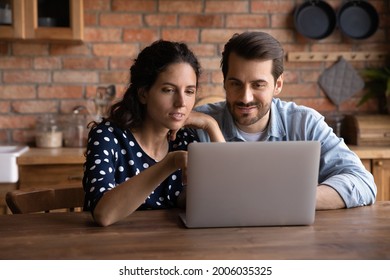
(340, 168)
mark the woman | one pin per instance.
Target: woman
(136, 156)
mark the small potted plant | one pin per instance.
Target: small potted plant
(377, 85)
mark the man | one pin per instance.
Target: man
(252, 66)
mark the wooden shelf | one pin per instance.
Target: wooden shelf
(334, 56)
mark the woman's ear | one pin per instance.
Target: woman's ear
(278, 85)
(142, 95)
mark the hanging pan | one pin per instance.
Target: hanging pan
(357, 19)
(315, 19)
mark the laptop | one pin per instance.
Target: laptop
(242, 184)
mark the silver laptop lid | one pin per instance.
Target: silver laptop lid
(252, 183)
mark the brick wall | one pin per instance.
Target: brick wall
(38, 78)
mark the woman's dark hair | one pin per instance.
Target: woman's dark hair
(254, 46)
(151, 61)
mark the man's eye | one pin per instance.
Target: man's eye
(259, 85)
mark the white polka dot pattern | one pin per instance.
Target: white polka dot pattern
(114, 156)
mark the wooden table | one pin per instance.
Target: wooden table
(359, 233)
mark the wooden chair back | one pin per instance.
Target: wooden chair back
(45, 199)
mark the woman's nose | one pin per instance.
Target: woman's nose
(180, 100)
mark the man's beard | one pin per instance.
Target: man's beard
(244, 119)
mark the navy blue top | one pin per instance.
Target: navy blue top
(114, 156)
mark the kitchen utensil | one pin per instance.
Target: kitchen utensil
(315, 19)
(340, 81)
(357, 19)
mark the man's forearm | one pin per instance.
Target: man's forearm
(328, 198)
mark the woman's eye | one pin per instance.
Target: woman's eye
(168, 90)
(190, 92)
(234, 84)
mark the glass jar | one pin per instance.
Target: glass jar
(75, 131)
(48, 132)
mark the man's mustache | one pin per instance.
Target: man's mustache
(250, 104)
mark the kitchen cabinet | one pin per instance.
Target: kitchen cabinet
(381, 172)
(32, 21)
(54, 167)
(377, 161)
(14, 28)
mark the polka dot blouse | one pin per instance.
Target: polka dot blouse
(114, 156)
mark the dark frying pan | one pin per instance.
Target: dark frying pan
(315, 19)
(358, 19)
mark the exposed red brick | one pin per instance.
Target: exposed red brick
(3, 48)
(47, 62)
(88, 63)
(210, 63)
(189, 6)
(19, 121)
(125, 50)
(206, 90)
(120, 20)
(97, 5)
(113, 77)
(30, 49)
(90, 19)
(181, 35)
(134, 5)
(17, 92)
(201, 21)
(58, 49)
(161, 20)
(35, 106)
(24, 136)
(140, 35)
(60, 92)
(121, 63)
(3, 137)
(247, 21)
(15, 62)
(321, 104)
(67, 105)
(299, 90)
(217, 35)
(217, 77)
(227, 7)
(5, 107)
(102, 34)
(282, 20)
(79, 77)
(271, 6)
(26, 76)
(116, 30)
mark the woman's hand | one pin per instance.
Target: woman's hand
(202, 121)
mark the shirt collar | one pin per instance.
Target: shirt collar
(275, 127)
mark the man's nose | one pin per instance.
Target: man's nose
(247, 94)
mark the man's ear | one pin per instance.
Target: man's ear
(278, 85)
(142, 95)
